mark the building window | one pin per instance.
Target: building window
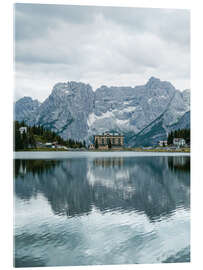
(102, 140)
(113, 141)
(119, 141)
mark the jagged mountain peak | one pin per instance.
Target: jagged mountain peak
(186, 91)
(70, 86)
(27, 99)
(74, 111)
(155, 83)
(26, 109)
(153, 79)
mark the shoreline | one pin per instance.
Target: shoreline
(137, 150)
(90, 154)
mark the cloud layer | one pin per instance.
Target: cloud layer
(98, 45)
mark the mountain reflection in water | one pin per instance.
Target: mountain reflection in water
(157, 187)
(73, 186)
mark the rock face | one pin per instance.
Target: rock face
(184, 122)
(66, 110)
(144, 114)
(175, 116)
(26, 109)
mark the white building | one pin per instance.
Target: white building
(61, 147)
(179, 142)
(23, 129)
(163, 143)
(49, 145)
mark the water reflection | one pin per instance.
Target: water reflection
(179, 164)
(35, 166)
(108, 162)
(87, 211)
(156, 186)
(142, 184)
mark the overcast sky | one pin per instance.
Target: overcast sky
(98, 45)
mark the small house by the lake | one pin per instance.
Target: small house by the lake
(23, 130)
(163, 143)
(49, 145)
(179, 142)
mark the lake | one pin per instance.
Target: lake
(101, 208)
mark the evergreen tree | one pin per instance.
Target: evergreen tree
(109, 144)
(180, 133)
(96, 144)
(25, 141)
(170, 138)
(80, 145)
(18, 145)
(31, 140)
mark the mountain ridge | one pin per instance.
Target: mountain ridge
(74, 110)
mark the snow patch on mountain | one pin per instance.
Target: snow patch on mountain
(122, 122)
(129, 109)
(74, 111)
(93, 117)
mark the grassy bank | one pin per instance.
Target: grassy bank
(42, 150)
(180, 150)
(185, 150)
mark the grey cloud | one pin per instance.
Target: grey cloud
(76, 14)
(98, 45)
(170, 24)
(32, 20)
(173, 25)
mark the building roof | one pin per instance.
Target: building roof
(109, 134)
(178, 139)
(48, 143)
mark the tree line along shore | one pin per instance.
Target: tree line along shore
(38, 138)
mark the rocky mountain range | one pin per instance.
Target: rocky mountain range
(144, 114)
(26, 109)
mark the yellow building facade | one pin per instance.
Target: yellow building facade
(104, 140)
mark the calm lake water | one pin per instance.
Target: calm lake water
(90, 209)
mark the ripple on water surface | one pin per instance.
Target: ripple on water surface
(102, 211)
